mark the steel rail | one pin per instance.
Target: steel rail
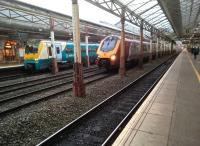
(68, 87)
(46, 77)
(40, 81)
(46, 87)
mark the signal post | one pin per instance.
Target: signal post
(78, 85)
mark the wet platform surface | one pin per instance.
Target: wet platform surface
(170, 114)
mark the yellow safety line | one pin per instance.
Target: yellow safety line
(194, 68)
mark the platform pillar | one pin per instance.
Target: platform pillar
(78, 84)
(157, 47)
(87, 52)
(53, 50)
(161, 47)
(171, 47)
(141, 45)
(151, 45)
(168, 49)
(164, 47)
(122, 69)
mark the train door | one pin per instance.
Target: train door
(58, 48)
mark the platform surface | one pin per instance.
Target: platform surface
(11, 66)
(170, 116)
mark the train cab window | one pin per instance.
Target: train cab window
(30, 49)
(32, 46)
(109, 44)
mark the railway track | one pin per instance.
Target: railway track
(11, 73)
(101, 124)
(38, 81)
(12, 77)
(11, 102)
(8, 75)
(36, 77)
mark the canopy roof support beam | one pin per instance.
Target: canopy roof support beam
(115, 6)
(160, 21)
(148, 9)
(142, 5)
(173, 14)
(153, 13)
(197, 15)
(192, 2)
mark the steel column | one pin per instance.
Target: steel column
(157, 47)
(78, 85)
(171, 48)
(122, 69)
(87, 52)
(164, 47)
(53, 50)
(141, 46)
(161, 47)
(151, 46)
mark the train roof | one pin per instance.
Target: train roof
(126, 39)
(69, 42)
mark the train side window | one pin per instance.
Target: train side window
(49, 50)
(58, 50)
(144, 47)
(137, 46)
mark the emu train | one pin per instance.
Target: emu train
(38, 54)
(109, 52)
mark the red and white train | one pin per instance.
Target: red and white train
(109, 51)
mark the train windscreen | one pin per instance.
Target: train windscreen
(32, 47)
(109, 44)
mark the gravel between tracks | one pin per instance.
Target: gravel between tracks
(35, 123)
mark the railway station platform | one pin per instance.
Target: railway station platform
(11, 66)
(170, 114)
(10, 70)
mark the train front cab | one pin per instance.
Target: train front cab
(37, 56)
(31, 61)
(108, 53)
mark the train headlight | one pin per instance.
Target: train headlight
(36, 60)
(113, 57)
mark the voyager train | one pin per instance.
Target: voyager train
(38, 54)
(109, 52)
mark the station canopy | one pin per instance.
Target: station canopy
(190, 12)
(150, 11)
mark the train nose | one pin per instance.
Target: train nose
(97, 60)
